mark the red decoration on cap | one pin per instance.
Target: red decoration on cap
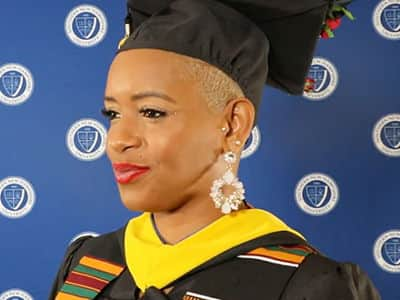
(334, 20)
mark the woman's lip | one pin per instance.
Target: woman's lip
(127, 167)
(130, 175)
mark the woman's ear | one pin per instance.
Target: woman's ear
(238, 118)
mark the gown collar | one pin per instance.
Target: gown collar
(151, 262)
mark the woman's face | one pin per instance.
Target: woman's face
(179, 139)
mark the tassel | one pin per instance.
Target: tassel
(127, 30)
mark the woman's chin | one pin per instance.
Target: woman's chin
(138, 204)
(135, 204)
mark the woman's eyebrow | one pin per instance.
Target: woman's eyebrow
(141, 95)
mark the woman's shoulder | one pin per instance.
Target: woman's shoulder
(310, 273)
(108, 245)
(87, 253)
(321, 277)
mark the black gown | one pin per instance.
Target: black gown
(228, 276)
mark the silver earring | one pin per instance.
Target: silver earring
(231, 202)
(224, 129)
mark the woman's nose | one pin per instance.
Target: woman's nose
(122, 138)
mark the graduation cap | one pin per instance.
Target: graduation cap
(255, 42)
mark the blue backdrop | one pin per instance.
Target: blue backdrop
(326, 163)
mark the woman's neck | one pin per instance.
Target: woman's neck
(173, 227)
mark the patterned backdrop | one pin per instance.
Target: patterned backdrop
(326, 162)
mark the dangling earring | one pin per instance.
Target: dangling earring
(231, 202)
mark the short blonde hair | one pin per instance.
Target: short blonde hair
(216, 86)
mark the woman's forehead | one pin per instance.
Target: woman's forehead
(148, 69)
(148, 62)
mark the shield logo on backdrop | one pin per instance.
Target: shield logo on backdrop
(12, 83)
(87, 138)
(317, 194)
(392, 134)
(320, 76)
(14, 197)
(86, 25)
(391, 15)
(392, 250)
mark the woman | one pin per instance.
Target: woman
(182, 95)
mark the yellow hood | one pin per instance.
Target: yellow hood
(153, 263)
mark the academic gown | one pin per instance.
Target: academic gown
(276, 266)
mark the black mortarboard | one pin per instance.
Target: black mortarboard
(253, 41)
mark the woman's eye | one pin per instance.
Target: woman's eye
(152, 113)
(109, 114)
(147, 112)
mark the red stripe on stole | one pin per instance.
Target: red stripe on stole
(87, 281)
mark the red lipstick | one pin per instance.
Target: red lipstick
(127, 172)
